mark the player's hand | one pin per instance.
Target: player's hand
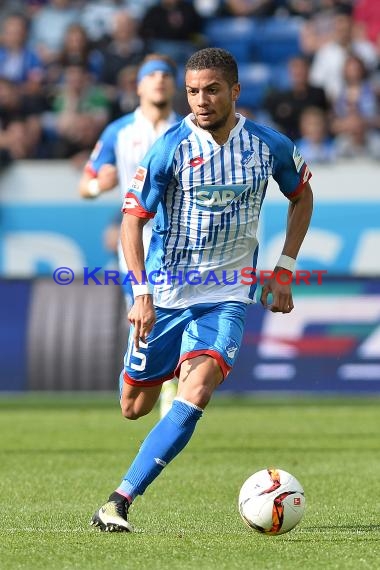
(280, 291)
(142, 316)
(107, 177)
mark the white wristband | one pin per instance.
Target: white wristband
(286, 262)
(93, 187)
(141, 289)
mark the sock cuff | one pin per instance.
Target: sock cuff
(121, 491)
(179, 399)
(127, 490)
(183, 413)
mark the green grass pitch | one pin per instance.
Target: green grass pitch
(61, 455)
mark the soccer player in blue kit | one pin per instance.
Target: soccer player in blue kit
(124, 143)
(203, 182)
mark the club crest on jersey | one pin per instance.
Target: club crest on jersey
(231, 348)
(196, 161)
(248, 158)
(217, 197)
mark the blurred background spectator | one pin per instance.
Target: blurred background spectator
(315, 143)
(248, 8)
(366, 13)
(18, 62)
(20, 126)
(310, 8)
(10, 6)
(69, 66)
(286, 106)
(49, 26)
(124, 47)
(77, 48)
(19, 139)
(125, 98)
(356, 140)
(207, 8)
(356, 93)
(356, 112)
(173, 27)
(328, 61)
(80, 111)
(96, 18)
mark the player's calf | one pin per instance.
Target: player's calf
(136, 402)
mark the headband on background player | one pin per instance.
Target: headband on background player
(155, 65)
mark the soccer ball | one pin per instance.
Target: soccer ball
(272, 501)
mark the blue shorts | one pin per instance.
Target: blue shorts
(180, 334)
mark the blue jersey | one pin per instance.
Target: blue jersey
(125, 142)
(206, 199)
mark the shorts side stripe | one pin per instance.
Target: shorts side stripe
(209, 352)
(147, 383)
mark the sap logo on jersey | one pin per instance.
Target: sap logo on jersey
(217, 197)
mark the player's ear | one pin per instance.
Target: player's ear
(235, 92)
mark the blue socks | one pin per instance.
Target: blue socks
(161, 445)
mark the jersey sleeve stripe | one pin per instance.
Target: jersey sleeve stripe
(132, 206)
(305, 175)
(89, 169)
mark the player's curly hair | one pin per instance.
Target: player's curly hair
(215, 58)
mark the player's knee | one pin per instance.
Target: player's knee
(202, 396)
(133, 410)
(129, 411)
(199, 395)
(199, 389)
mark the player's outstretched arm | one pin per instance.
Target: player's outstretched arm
(299, 216)
(91, 186)
(279, 286)
(142, 314)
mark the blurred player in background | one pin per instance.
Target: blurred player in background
(203, 182)
(123, 144)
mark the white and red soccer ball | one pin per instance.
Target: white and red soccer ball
(272, 501)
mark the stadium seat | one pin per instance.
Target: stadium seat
(276, 40)
(255, 80)
(280, 78)
(268, 40)
(179, 51)
(240, 50)
(232, 34)
(219, 29)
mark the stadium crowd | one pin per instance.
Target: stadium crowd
(68, 67)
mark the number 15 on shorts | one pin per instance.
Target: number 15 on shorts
(137, 355)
